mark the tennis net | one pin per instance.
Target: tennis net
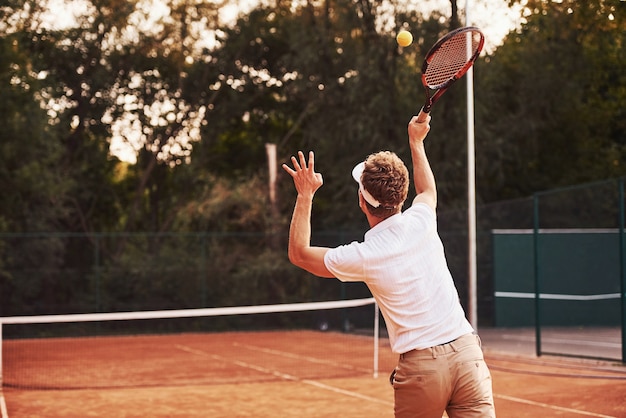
(191, 346)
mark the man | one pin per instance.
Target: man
(440, 366)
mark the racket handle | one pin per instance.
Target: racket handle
(423, 115)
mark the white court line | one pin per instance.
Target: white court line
(299, 357)
(3, 406)
(554, 407)
(285, 376)
(563, 340)
(346, 392)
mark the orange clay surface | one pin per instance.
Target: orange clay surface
(270, 374)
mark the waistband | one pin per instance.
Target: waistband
(449, 347)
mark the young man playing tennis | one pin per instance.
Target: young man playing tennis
(440, 366)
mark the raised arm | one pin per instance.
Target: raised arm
(423, 176)
(300, 251)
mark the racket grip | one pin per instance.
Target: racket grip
(423, 115)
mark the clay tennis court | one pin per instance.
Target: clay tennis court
(270, 374)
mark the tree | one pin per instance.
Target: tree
(327, 78)
(112, 76)
(35, 189)
(550, 100)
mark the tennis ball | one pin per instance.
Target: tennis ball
(404, 38)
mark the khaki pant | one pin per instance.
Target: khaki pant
(450, 377)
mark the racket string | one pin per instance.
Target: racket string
(451, 58)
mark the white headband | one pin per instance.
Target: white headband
(357, 171)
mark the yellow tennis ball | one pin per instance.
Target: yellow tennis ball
(404, 38)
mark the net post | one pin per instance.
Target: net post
(3, 406)
(376, 338)
(536, 273)
(1, 362)
(622, 266)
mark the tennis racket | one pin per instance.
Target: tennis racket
(447, 61)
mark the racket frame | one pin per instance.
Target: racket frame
(431, 99)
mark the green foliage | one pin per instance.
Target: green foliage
(310, 79)
(33, 195)
(224, 205)
(550, 100)
(320, 76)
(34, 183)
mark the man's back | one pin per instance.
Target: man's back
(402, 262)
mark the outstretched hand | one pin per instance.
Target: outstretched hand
(305, 179)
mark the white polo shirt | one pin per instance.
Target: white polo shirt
(402, 261)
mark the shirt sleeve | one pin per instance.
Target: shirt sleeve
(346, 262)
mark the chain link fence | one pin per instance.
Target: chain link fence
(55, 273)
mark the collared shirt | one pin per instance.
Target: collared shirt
(403, 263)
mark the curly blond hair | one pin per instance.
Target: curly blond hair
(386, 178)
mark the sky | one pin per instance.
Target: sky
(493, 17)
